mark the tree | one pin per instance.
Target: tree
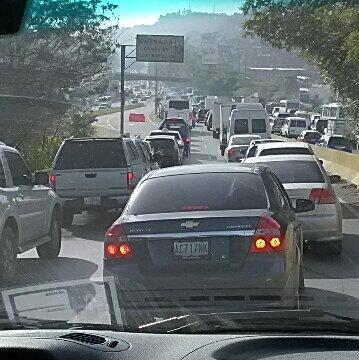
(65, 44)
(324, 31)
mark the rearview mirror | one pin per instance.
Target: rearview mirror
(304, 205)
(41, 178)
(335, 179)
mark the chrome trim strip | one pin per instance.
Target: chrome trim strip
(191, 234)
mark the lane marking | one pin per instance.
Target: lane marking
(109, 124)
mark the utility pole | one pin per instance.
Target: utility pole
(123, 64)
(156, 89)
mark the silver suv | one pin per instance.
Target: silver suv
(30, 213)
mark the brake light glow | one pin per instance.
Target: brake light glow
(52, 181)
(118, 251)
(130, 180)
(321, 196)
(116, 243)
(187, 140)
(268, 237)
(232, 152)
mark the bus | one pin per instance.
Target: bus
(289, 105)
(334, 119)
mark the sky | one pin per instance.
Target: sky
(138, 12)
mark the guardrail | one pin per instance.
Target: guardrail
(339, 163)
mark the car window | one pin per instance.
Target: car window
(2, 175)
(252, 151)
(286, 151)
(234, 192)
(146, 151)
(90, 155)
(140, 151)
(301, 123)
(241, 126)
(296, 171)
(135, 154)
(259, 126)
(337, 141)
(19, 171)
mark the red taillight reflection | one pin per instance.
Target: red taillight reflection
(187, 140)
(268, 237)
(115, 231)
(321, 196)
(130, 180)
(52, 181)
(232, 152)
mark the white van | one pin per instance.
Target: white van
(249, 118)
(179, 109)
(293, 126)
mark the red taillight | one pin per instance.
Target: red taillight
(115, 232)
(118, 251)
(52, 181)
(116, 244)
(130, 180)
(187, 140)
(232, 152)
(268, 237)
(321, 196)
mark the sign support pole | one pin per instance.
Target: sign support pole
(156, 90)
(123, 64)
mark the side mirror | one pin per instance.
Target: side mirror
(335, 179)
(41, 178)
(321, 161)
(304, 205)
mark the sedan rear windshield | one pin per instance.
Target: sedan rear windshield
(286, 151)
(162, 144)
(200, 192)
(92, 154)
(338, 141)
(296, 172)
(178, 104)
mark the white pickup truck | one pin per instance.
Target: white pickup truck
(30, 213)
(97, 174)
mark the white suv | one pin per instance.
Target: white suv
(30, 213)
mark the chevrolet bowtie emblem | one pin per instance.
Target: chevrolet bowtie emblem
(190, 224)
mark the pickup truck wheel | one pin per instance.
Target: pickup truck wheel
(8, 254)
(68, 218)
(51, 249)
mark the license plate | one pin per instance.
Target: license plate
(96, 200)
(191, 249)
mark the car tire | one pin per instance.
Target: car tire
(8, 254)
(51, 249)
(68, 218)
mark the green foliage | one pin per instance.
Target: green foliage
(325, 32)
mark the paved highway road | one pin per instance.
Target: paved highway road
(330, 280)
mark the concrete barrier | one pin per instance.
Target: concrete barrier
(339, 163)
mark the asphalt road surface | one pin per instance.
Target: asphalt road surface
(331, 282)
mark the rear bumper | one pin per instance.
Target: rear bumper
(164, 295)
(321, 227)
(77, 205)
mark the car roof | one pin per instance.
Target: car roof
(271, 158)
(266, 141)
(246, 136)
(282, 145)
(165, 132)
(207, 168)
(3, 146)
(295, 118)
(155, 137)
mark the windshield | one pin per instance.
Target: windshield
(296, 172)
(94, 188)
(242, 140)
(237, 193)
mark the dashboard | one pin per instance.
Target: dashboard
(88, 345)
